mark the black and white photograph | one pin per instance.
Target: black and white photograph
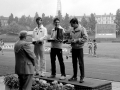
(59, 45)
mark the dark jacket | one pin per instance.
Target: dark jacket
(24, 58)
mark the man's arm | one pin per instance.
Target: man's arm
(29, 52)
(83, 37)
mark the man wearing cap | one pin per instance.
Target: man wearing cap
(39, 37)
(24, 62)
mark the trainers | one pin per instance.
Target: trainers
(62, 77)
(37, 74)
(52, 76)
(81, 80)
(73, 79)
(42, 75)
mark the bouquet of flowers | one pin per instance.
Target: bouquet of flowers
(56, 86)
(39, 84)
(11, 81)
(68, 87)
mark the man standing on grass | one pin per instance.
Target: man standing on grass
(1, 46)
(94, 47)
(79, 37)
(56, 49)
(39, 37)
(24, 62)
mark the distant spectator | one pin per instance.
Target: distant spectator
(94, 47)
(90, 46)
(1, 46)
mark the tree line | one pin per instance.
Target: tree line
(15, 24)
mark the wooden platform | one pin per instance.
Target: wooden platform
(89, 83)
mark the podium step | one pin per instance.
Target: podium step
(88, 84)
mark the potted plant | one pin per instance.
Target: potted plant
(11, 82)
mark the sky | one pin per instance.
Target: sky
(49, 7)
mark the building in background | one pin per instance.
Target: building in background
(101, 19)
(105, 19)
(4, 21)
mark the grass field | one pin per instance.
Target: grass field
(105, 66)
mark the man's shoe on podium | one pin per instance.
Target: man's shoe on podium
(52, 76)
(36, 74)
(81, 80)
(73, 79)
(42, 75)
(62, 77)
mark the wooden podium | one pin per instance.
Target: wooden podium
(88, 84)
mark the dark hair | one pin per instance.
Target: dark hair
(56, 19)
(94, 40)
(38, 18)
(74, 20)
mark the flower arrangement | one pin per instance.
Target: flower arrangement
(11, 81)
(39, 84)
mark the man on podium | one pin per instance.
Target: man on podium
(56, 49)
(39, 37)
(79, 37)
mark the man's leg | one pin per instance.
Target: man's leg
(28, 79)
(81, 62)
(74, 62)
(60, 59)
(53, 61)
(37, 66)
(42, 60)
(21, 82)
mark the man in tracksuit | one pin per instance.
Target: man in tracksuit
(79, 37)
(39, 37)
(56, 49)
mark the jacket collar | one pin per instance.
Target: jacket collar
(39, 27)
(77, 29)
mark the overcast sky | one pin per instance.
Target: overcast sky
(49, 7)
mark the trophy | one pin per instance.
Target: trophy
(59, 36)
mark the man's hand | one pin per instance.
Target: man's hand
(39, 41)
(73, 40)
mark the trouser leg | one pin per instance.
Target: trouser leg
(81, 61)
(53, 61)
(74, 62)
(42, 59)
(25, 82)
(60, 59)
(36, 51)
